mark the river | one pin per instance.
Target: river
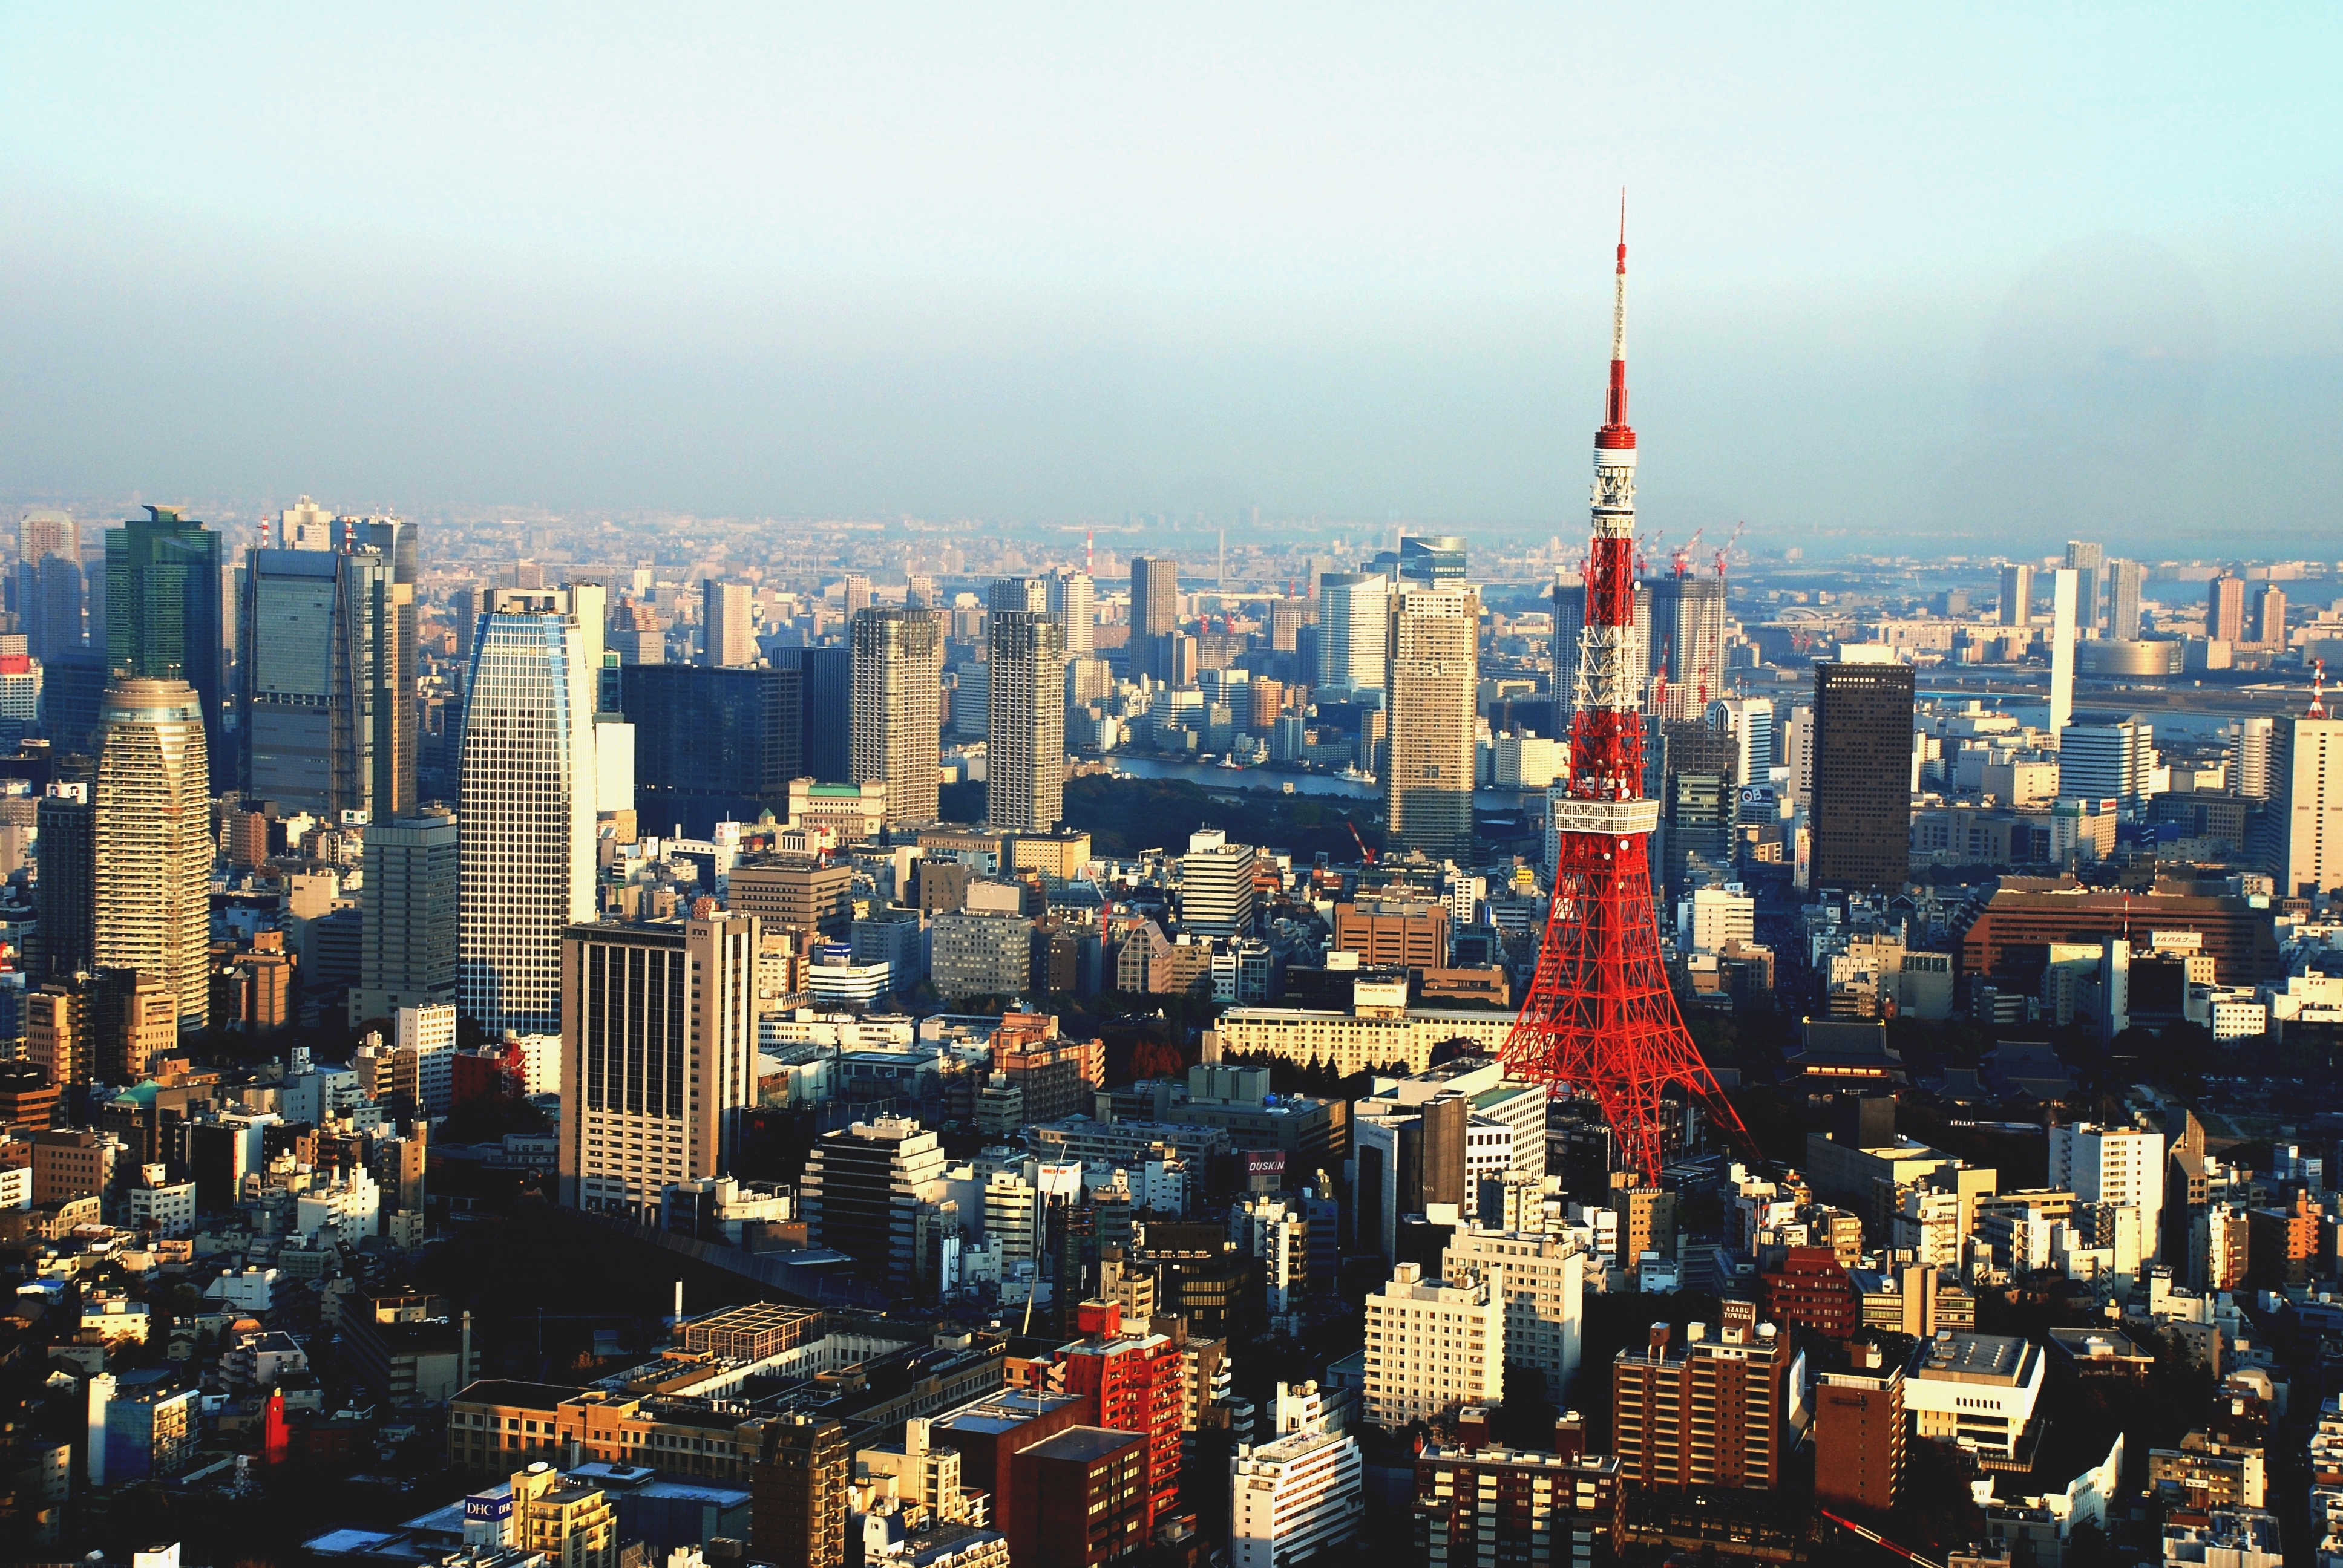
(1211, 776)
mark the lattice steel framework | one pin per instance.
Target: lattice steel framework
(1599, 1017)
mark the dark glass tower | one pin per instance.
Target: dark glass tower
(1863, 775)
(826, 709)
(712, 743)
(162, 613)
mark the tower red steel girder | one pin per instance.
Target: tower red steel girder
(1600, 1018)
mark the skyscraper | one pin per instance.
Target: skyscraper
(1699, 791)
(712, 745)
(2123, 582)
(725, 624)
(1073, 597)
(64, 893)
(825, 710)
(2016, 594)
(2062, 651)
(2269, 617)
(527, 803)
(1688, 618)
(2111, 761)
(48, 605)
(44, 534)
(659, 1055)
(163, 611)
(854, 593)
(898, 701)
(2253, 758)
(1025, 751)
(406, 940)
(1154, 612)
(1863, 775)
(2309, 769)
(2087, 561)
(151, 840)
(397, 754)
(327, 698)
(2224, 608)
(1354, 631)
(1430, 692)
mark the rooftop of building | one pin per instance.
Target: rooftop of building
(2098, 1343)
(1955, 1357)
(1083, 1444)
(1003, 1413)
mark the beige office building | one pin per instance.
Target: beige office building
(659, 1055)
(152, 840)
(898, 667)
(1431, 686)
(1025, 761)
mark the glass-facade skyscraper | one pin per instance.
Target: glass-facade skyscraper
(162, 612)
(525, 852)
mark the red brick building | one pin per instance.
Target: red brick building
(1859, 1434)
(1812, 1290)
(1131, 1382)
(1080, 1499)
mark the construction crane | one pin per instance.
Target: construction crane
(1877, 1539)
(1726, 549)
(1366, 854)
(1680, 559)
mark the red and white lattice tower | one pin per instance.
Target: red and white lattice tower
(1600, 1018)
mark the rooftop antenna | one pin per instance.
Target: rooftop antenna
(2317, 690)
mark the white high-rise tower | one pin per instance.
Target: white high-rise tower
(2062, 650)
(526, 805)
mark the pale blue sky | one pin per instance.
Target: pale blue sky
(1970, 275)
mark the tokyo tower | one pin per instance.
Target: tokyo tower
(1600, 1018)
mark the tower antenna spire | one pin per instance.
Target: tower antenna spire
(1615, 432)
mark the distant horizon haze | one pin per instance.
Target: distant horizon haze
(1950, 285)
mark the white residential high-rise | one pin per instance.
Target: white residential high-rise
(1434, 1346)
(2110, 1165)
(429, 1032)
(1430, 696)
(898, 696)
(1025, 706)
(2253, 753)
(1294, 1496)
(2087, 561)
(659, 1055)
(2125, 579)
(1072, 600)
(2016, 594)
(1543, 1276)
(1354, 631)
(2107, 761)
(527, 805)
(1717, 916)
(2311, 772)
(1216, 885)
(151, 840)
(1750, 721)
(1798, 754)
(2062, 651)
(727, 636)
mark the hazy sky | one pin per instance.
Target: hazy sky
(1976, 276)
